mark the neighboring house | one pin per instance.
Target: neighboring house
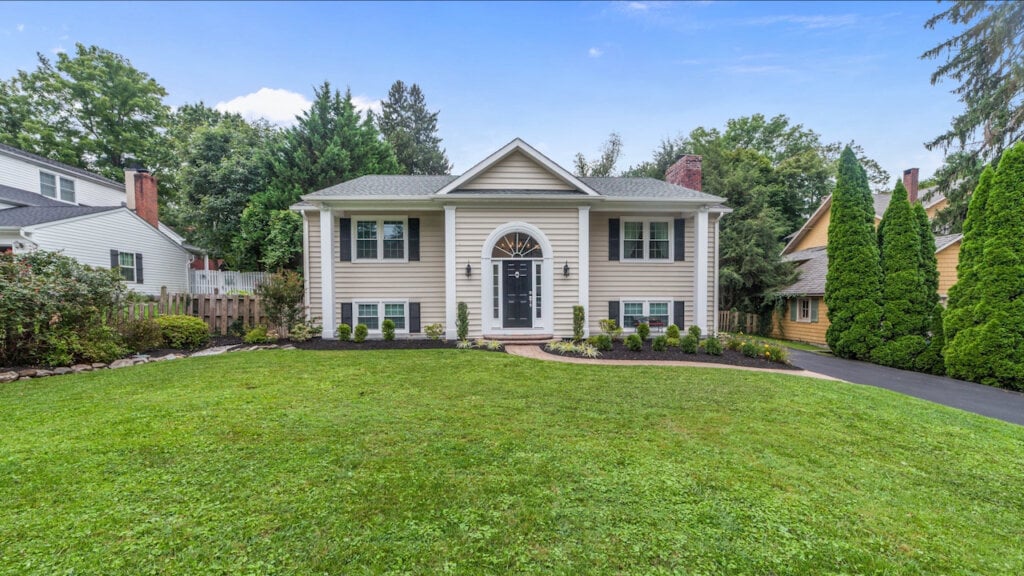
(521, 241)
(805, 317)
(47, 205)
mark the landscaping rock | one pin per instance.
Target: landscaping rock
(77, 368)
(122, 363)
(213, 351)
(288, 347)
(98, 365)
(61, 371)
(168, 357)
(8, 376)
(43, 373)
(27, 372)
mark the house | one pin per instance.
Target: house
(521, 241)
(48, 205)
(805, 317)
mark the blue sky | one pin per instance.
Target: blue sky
(560, 75)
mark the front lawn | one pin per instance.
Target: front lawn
(423, 462)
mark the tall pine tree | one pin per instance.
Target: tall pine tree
(931, 359)
(965, 294)
(853, 280)
(411, 129)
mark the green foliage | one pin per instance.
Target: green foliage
(673, 342)
(258, 335)
(931, 360)
(304, 331)
(142, 334)
(901, 352)
(578, 320)
(734, 342)
(672, 331)
(462, 321)
(603, 166)
(183, 332)
(713, 346)
(49, 304)
(643, 330)
(965, 294)
(464, 344)
(411, 129)
(634, 342)
(776, 353)
(344, 332)
(749, 349)
(361, 333)
(602, 342)
(434, 331)
(387, 328)
(689, 344)
(281, 297)
(853, 280)
(660, 344)
(563, 347)
(282, 247)
(610, 328)
(694, 331)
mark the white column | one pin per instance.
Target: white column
(700, 264)
(449, 273)
(584, 265)
(714, 278)
(327, 273)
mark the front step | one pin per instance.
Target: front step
(524, 339)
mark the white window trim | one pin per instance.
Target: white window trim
(646, 222)
(647, 311)
(57, 179)
(134, 267)
(380, 314)
(380, 238)
(800, 310)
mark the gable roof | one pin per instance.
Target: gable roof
(33, 215)
(518, 145)
(20, 197)
(46, 162)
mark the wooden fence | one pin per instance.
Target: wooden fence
(219, 311)
(224, 282)
(733, 321)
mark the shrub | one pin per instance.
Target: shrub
(689, 344)
(281, 298)
(660, 343)
(611, 328)
(601, 342)
(387, 329)
(734, 342)
(142, 334)
(579, 317)
(749, 349)
(901, 352)
(361, 333)
(100, 343)
(184, 332)
(672, 331)
(304, 331)
(634, 343)
(643, 330)
(494, 345)
(776, 353)
(344, 332)
(257, 335)
(236, 328)
(713, 346)
(672, 342)
(694, 331)
(462, 321)
(434, 331)
(463, 344)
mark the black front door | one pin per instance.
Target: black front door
(518, 287)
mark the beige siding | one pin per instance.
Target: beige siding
(616, 280)
(712, 280)
(560, 225)
(813, 332)
(313, 265)
(947, 261)
(516, 172)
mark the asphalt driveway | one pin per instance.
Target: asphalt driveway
(985, 400)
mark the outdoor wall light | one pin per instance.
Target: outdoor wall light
(565, 270)
(469, 270)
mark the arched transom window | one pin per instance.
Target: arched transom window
(517, 245)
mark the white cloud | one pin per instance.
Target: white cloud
(811, 22)
(637, 6)
(58, 50)
(21, 27)
(280, 106)
(595, 52)
(363, 104)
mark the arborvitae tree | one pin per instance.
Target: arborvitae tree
(906, 307)
(964, 295)
(993, 351)
(853, 281)
(931, 359)
(411, 129)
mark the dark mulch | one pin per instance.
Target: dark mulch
(730, 357)
(399, 344)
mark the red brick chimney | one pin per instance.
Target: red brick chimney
(686, 172)
(140, 192)
(910, 183)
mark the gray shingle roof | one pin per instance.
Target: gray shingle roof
(21, 197)
(882, 200)
(60, 165)
(645, 188)
(32, 215)
(380, 185)
(812, 273)
(945, 241)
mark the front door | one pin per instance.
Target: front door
(518, 290)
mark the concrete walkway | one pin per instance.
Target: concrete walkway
(534, 351)
(985, 400)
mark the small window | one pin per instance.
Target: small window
(646, 240)
(368, 316)
(656, 314)
(394, 240)
(373, 314)
(803, 310)
(658, 245)
(633, 241)
(48, 185)
(67, 190)
(381, 239)
(127, 265)
(366, 240)
(538, 274)
(496, 270)
(632, 314)
(395, 313)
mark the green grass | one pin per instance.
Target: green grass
(423, 462)
(796, 345)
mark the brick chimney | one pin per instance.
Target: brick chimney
(686, 172)
(140, 193)
(910, 183)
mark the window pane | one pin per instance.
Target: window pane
(366, 239)
(659, 240)
(394, 240)
(127, 259)
(395, 313)
(633, 231)
(496, 280)
(67, 190)
(632, 313)
(368, 316)
(48, 184)
(658, 314)
(659, 249)
(537, 275)
(659, 230)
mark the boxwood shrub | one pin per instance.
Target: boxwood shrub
(184, 332)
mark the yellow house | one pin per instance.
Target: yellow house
(805, 317)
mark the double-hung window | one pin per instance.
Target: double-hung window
(803, 311)
(646, 240)
(654, 312)
(381, 239)
(373, 314)
(52, 186)
(126, 261)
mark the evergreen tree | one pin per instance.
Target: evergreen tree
(931, 359)
(853, 280)
(603, 166)
(906, 306)
(411, 128)
(993, 351)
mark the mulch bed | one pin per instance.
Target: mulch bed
(730, 357)
(397, 344)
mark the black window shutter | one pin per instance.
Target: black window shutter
(680, 237)
(414, 317)
(115, 260)
(613, 238)
(679, 314)
(414, 241)
(138, 268)
(613, 310)
(346, 313)
(345, 234)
